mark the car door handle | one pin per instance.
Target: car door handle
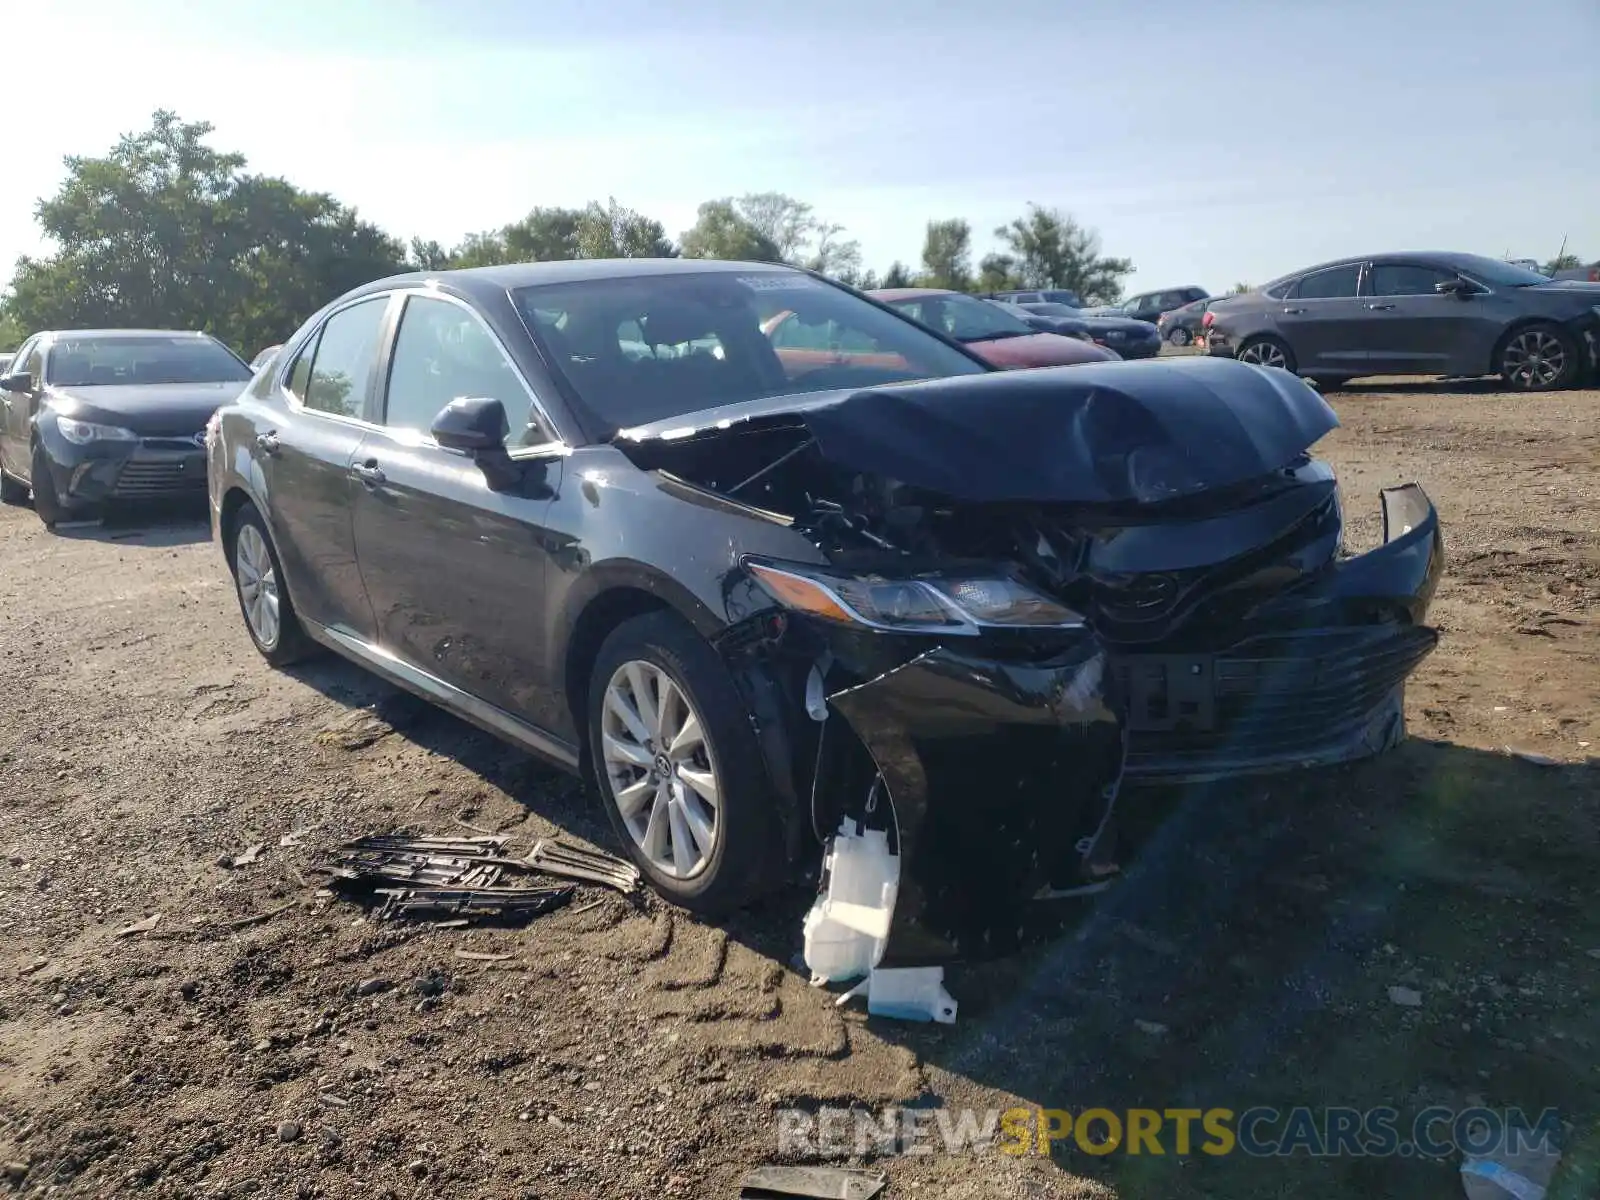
(1380, 307)
(369, 474)
(267, 443)
(1294, 310)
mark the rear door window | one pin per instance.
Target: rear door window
(1336, 283)
(346, 356)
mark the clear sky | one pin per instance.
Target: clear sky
(1209, 142)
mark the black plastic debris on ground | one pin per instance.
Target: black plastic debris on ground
(463, 879)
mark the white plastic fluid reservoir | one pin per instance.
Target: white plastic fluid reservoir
(906, 994)
(848, 927)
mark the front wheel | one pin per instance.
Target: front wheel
(678, 767)
(46, 501)
(1540, 358)
(1267, 352)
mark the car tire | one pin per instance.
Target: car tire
(1179, 336)
(46, 501)
(1267, 352)
(1525, 360)
(269, 616)
(666, 817)
(12, 491)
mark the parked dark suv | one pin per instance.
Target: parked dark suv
(594, 508)
(1415, 314)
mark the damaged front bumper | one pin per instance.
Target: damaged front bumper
(1319, 680)
(1002, 777)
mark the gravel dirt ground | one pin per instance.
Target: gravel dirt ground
(622, 1050)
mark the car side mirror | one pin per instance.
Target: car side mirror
(472, 424)
(17, 381)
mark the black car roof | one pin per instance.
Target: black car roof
(480, 281)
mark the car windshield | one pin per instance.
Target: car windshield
(965, 318)
(1493, 271)
(112, 361)
(1051, 309)
(645, 348)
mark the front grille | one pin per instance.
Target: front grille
(161, 477)
(1270, 703)
(179, 444)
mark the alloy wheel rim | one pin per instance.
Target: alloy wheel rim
(1535, 358)
(258, 585)
(1263, 354)
(659, 765)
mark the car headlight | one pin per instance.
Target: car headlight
(1083, 336)
(81, 433)
(948, 604)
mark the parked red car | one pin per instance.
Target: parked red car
(989, 331)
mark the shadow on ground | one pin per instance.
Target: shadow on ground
(1258, 931)
(147, 524)
(1247, 955)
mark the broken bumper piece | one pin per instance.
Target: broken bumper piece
(1002, 777)
(1321, 679)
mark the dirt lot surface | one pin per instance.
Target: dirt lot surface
(1247, 957)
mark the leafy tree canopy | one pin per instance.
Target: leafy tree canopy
(166, 232)
(1049, 249)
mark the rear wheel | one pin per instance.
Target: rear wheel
(1267, 352)
(678, 767)
(1179, 336)
(1540, 358)
(269, 615)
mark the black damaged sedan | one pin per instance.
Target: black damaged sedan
(753, 589)
(91, 418)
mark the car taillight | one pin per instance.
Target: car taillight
(1205, 321)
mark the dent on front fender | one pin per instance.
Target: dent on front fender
(1002, 778)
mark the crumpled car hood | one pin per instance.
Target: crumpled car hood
(1101, 433)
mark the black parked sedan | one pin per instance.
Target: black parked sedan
(1415, 314)
(92, 417)
(1129, 338)
(589, 506)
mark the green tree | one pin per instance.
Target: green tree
(947, 255)
(721, 231)
(998, 273)
(167, 232)
(784, 221)
(428, 255)
(897, 276)
(1241, 288)
(164, 231)
(1562, 262)
(833, 257)
(612, 231)
(1053, 251)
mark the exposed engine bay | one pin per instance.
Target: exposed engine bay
(1097, 558)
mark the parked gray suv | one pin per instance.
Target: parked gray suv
(1415, 314)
